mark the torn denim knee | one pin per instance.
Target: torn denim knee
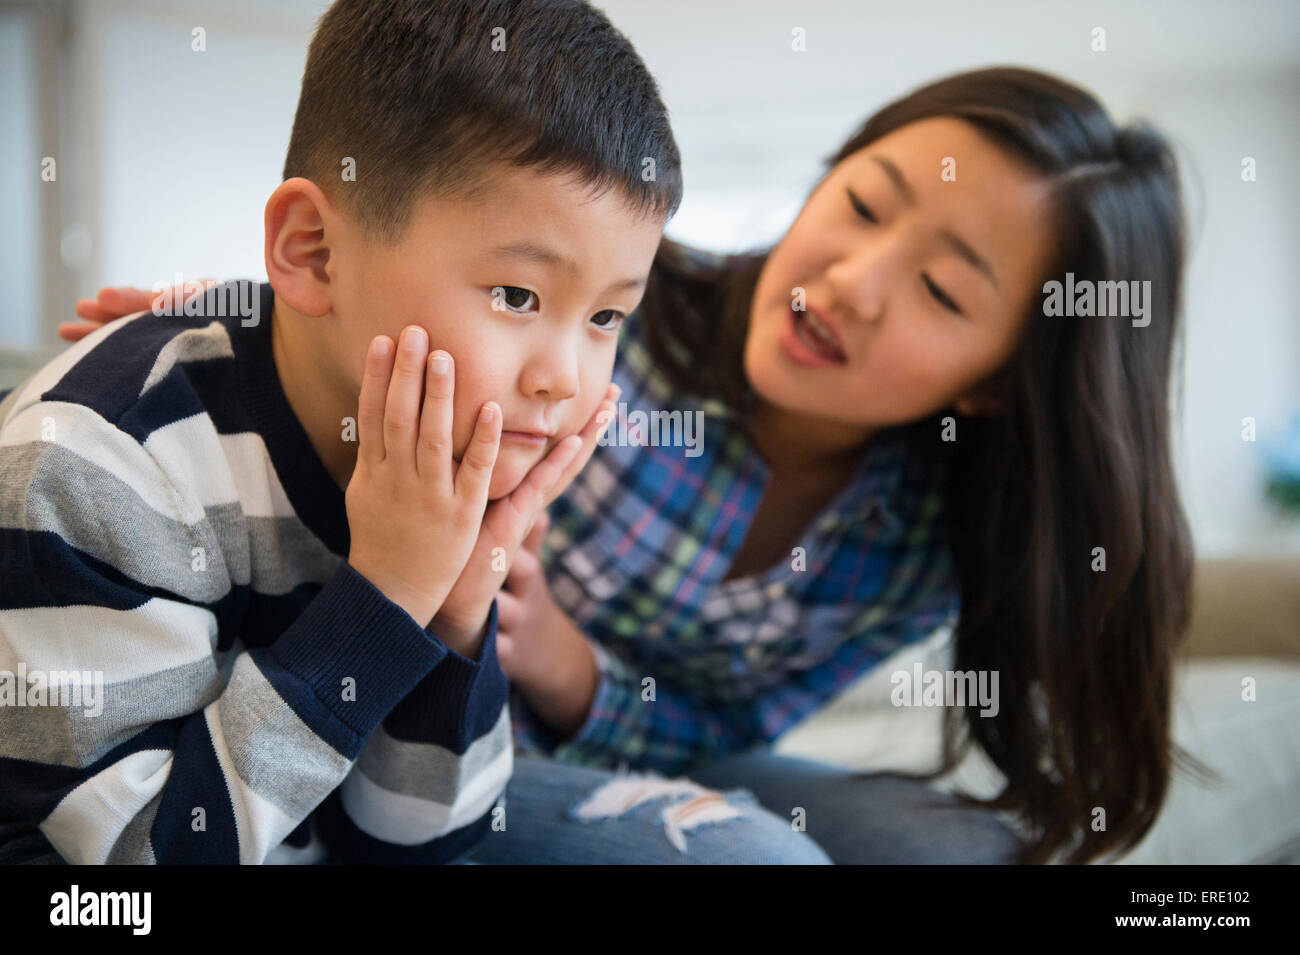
(689, 805)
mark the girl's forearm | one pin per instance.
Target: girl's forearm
(562, 699)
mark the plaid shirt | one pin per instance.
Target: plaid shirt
(636, 553)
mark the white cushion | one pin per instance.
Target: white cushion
(1252, 816)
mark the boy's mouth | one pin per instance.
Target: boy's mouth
(529, 437)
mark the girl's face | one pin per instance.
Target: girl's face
(918, 257)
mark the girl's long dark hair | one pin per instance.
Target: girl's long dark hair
(1078, 459)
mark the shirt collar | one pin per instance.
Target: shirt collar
(877, 485)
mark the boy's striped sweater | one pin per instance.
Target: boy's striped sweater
(166, 523)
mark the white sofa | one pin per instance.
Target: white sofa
(1246, 624)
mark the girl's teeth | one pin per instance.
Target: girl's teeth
(821, 332)
(807, 331)
(822, 336)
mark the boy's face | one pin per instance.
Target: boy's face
(525, 286)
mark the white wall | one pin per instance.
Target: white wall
(177, 151)
(754, 121)
(20, 159)
(192, 143)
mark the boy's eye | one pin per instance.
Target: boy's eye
(614, 318)
(940, 295)
(513, 297)
(860, 207)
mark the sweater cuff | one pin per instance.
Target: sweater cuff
(351, 631)
(458, 701)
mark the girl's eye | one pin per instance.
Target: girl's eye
(515, 298)
(860, 207)
(940, 295)
(616, 318)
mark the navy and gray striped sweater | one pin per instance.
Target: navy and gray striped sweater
(167, 527)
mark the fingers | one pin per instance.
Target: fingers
(374, 393)
(506, 654)
(174, 297)
(590, 434)
(117, 301)
(533, 542)
(109, 305)
(475, 471)
(433, 457)
(525, 565)
(530, 496)
(91, 311)
(509, 611)
(113, 303)
(76, 331)
(124, 300)
(402, 408)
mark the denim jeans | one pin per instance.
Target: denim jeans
(869, 818)
(795, 812)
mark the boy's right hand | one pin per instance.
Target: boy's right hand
(413, 513)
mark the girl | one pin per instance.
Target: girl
(896, 434)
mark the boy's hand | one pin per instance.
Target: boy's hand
(413, 512)
(465, 611)
(114, 303)
(541, 650)
(590, 435)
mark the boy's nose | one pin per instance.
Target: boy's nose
(551, 376)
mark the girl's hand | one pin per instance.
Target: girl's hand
(114, 303)
(526, 614)
(465, 611)
(541, 650)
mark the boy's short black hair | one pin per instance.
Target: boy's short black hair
(423, 94)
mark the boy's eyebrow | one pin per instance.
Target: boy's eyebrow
(535, 253)
(540, 253)
(958, 245)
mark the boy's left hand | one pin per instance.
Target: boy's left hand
(464, 612)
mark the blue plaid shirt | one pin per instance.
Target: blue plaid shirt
(693, 667)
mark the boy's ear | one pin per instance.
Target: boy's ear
(300, 224)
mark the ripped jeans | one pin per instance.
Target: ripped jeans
(783, 810)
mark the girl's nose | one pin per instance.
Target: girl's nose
(860, 279)
(858, 292)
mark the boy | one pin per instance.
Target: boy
(281, 661)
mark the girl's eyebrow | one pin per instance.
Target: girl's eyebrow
(956, 242)
(897, 178)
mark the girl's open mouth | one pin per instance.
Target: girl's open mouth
(807, 342)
